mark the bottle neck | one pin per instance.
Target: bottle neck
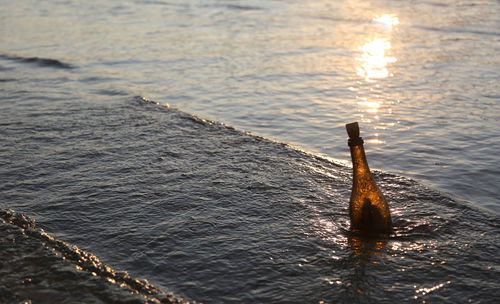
(359, 162)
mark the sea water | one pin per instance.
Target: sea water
(200, 146)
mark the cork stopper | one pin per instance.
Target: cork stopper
(352, 130)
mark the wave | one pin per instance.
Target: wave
(243, 7)
(457, 30)
(51, 258)
(223, 216)
(43, 62)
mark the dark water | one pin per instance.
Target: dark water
(36, 267)
(108, 196)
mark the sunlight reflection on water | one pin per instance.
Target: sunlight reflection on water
(387, 19)
(373, 65)
(376, 50)
(375, 59)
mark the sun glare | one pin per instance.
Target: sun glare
(375, 59)
(371, 106)
(386, 19)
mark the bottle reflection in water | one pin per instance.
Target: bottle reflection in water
(368, 208)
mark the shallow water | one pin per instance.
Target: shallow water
(218, 215)
(203, 209)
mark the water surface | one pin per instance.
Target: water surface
(203, 198)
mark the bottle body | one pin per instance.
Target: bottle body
(368, 209)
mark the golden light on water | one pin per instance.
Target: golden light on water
(375, 59)
(373, 63)
(420, 292)
(375, 140)
(371, 106)
(387, 19)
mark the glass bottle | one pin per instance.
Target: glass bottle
(368, 209)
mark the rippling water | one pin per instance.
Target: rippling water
(92, 152)
(421, 77)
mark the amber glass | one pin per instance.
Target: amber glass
(368, 208)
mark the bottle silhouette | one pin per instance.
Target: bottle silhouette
(368, 208)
